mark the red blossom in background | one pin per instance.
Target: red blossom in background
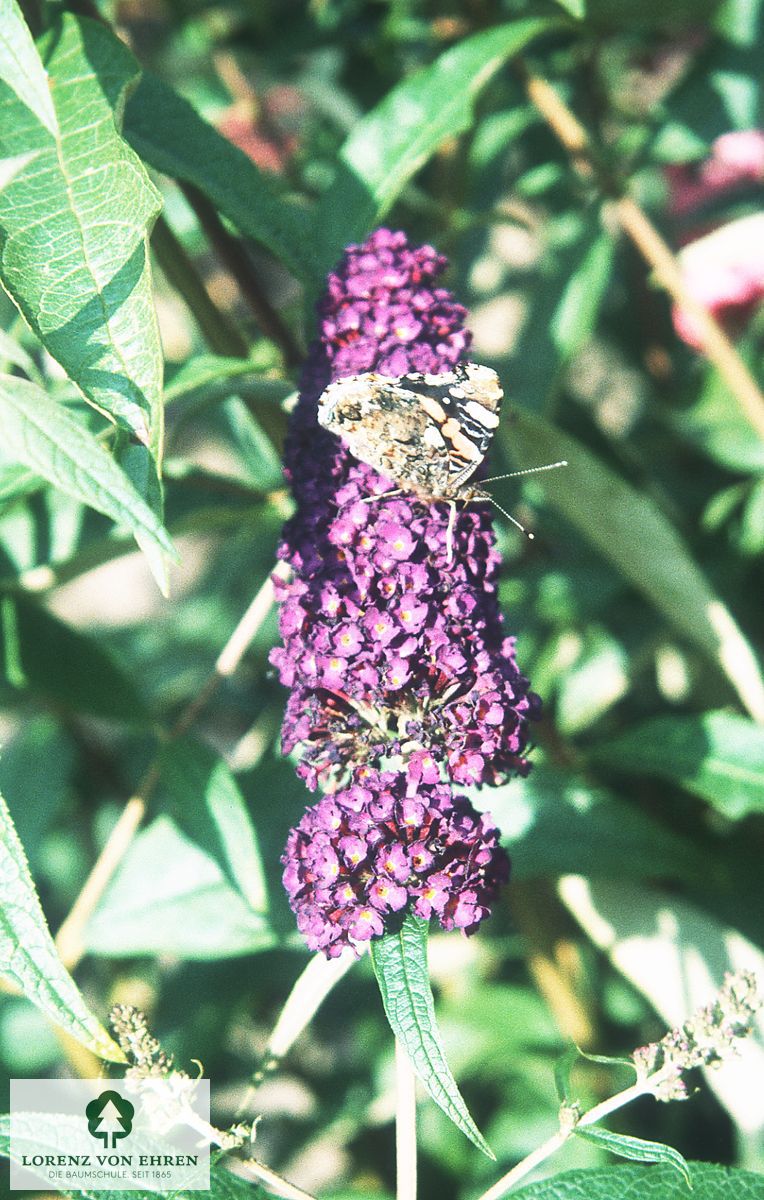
(723, 269)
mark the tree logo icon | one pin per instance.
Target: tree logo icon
(109, 1116)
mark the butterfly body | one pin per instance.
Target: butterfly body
(426, 433)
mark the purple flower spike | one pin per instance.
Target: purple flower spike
(434, 854)
(392, 645)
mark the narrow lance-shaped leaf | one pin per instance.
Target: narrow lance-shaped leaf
(74, 223)
(636, 1149)
(400, 965)
(48, 438)
(28, 956)
(184, 146)
(631, 532)
(392, 142)
(20, 66)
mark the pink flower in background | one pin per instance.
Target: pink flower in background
(736, 158)
(724, 271)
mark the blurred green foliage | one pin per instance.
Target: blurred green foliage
(275, 132)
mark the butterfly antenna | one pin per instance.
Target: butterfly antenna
(528, 471)
(509, 517)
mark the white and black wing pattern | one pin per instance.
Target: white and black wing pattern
(427, 433)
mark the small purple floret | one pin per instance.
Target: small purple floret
(429, 850)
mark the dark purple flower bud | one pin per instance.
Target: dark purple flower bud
(434, 854)
(384, 629)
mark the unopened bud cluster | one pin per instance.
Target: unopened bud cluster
(710, 1035)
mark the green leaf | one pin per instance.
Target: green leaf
(636, 1149)
(594, 683)
(170, 895)
(46, 437)
(555, 823)
(184, 146)
(752, 521)
(576, 8)
(206, 804)
(563, 299)
(400, 965)
(562, 1070)
(716, 424)
(660, 1182)
(11, 167)
(41, 654)
(717, 755)
(27, 952)
(33, 809)
(204, 370)
(631, 532)
(14, 354)
(74, 225)
(389, 145)
(20, 66)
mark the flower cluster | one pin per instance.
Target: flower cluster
(393, 645)
(381, 844)
(390, 642)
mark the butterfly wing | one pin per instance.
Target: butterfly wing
(427, 433)
(383, 422)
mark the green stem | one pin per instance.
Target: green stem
(553, 1144)
(219, 332)
(235, 258)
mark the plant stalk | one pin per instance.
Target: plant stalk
(405, 1125)
(553, 1144)
(70, 938)
(638, 227)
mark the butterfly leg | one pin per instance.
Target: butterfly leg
(382, 496)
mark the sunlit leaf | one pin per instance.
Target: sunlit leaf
(649, 1183)
(20, 66)
(74, 224)
(677, 954)
(171, 895)
(556, 822)
(389, 145)
(28, 957)
(400, 965)
(636, 1149)
(46, 437)
(205, 801)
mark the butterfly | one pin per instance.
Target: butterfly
(426, 433)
